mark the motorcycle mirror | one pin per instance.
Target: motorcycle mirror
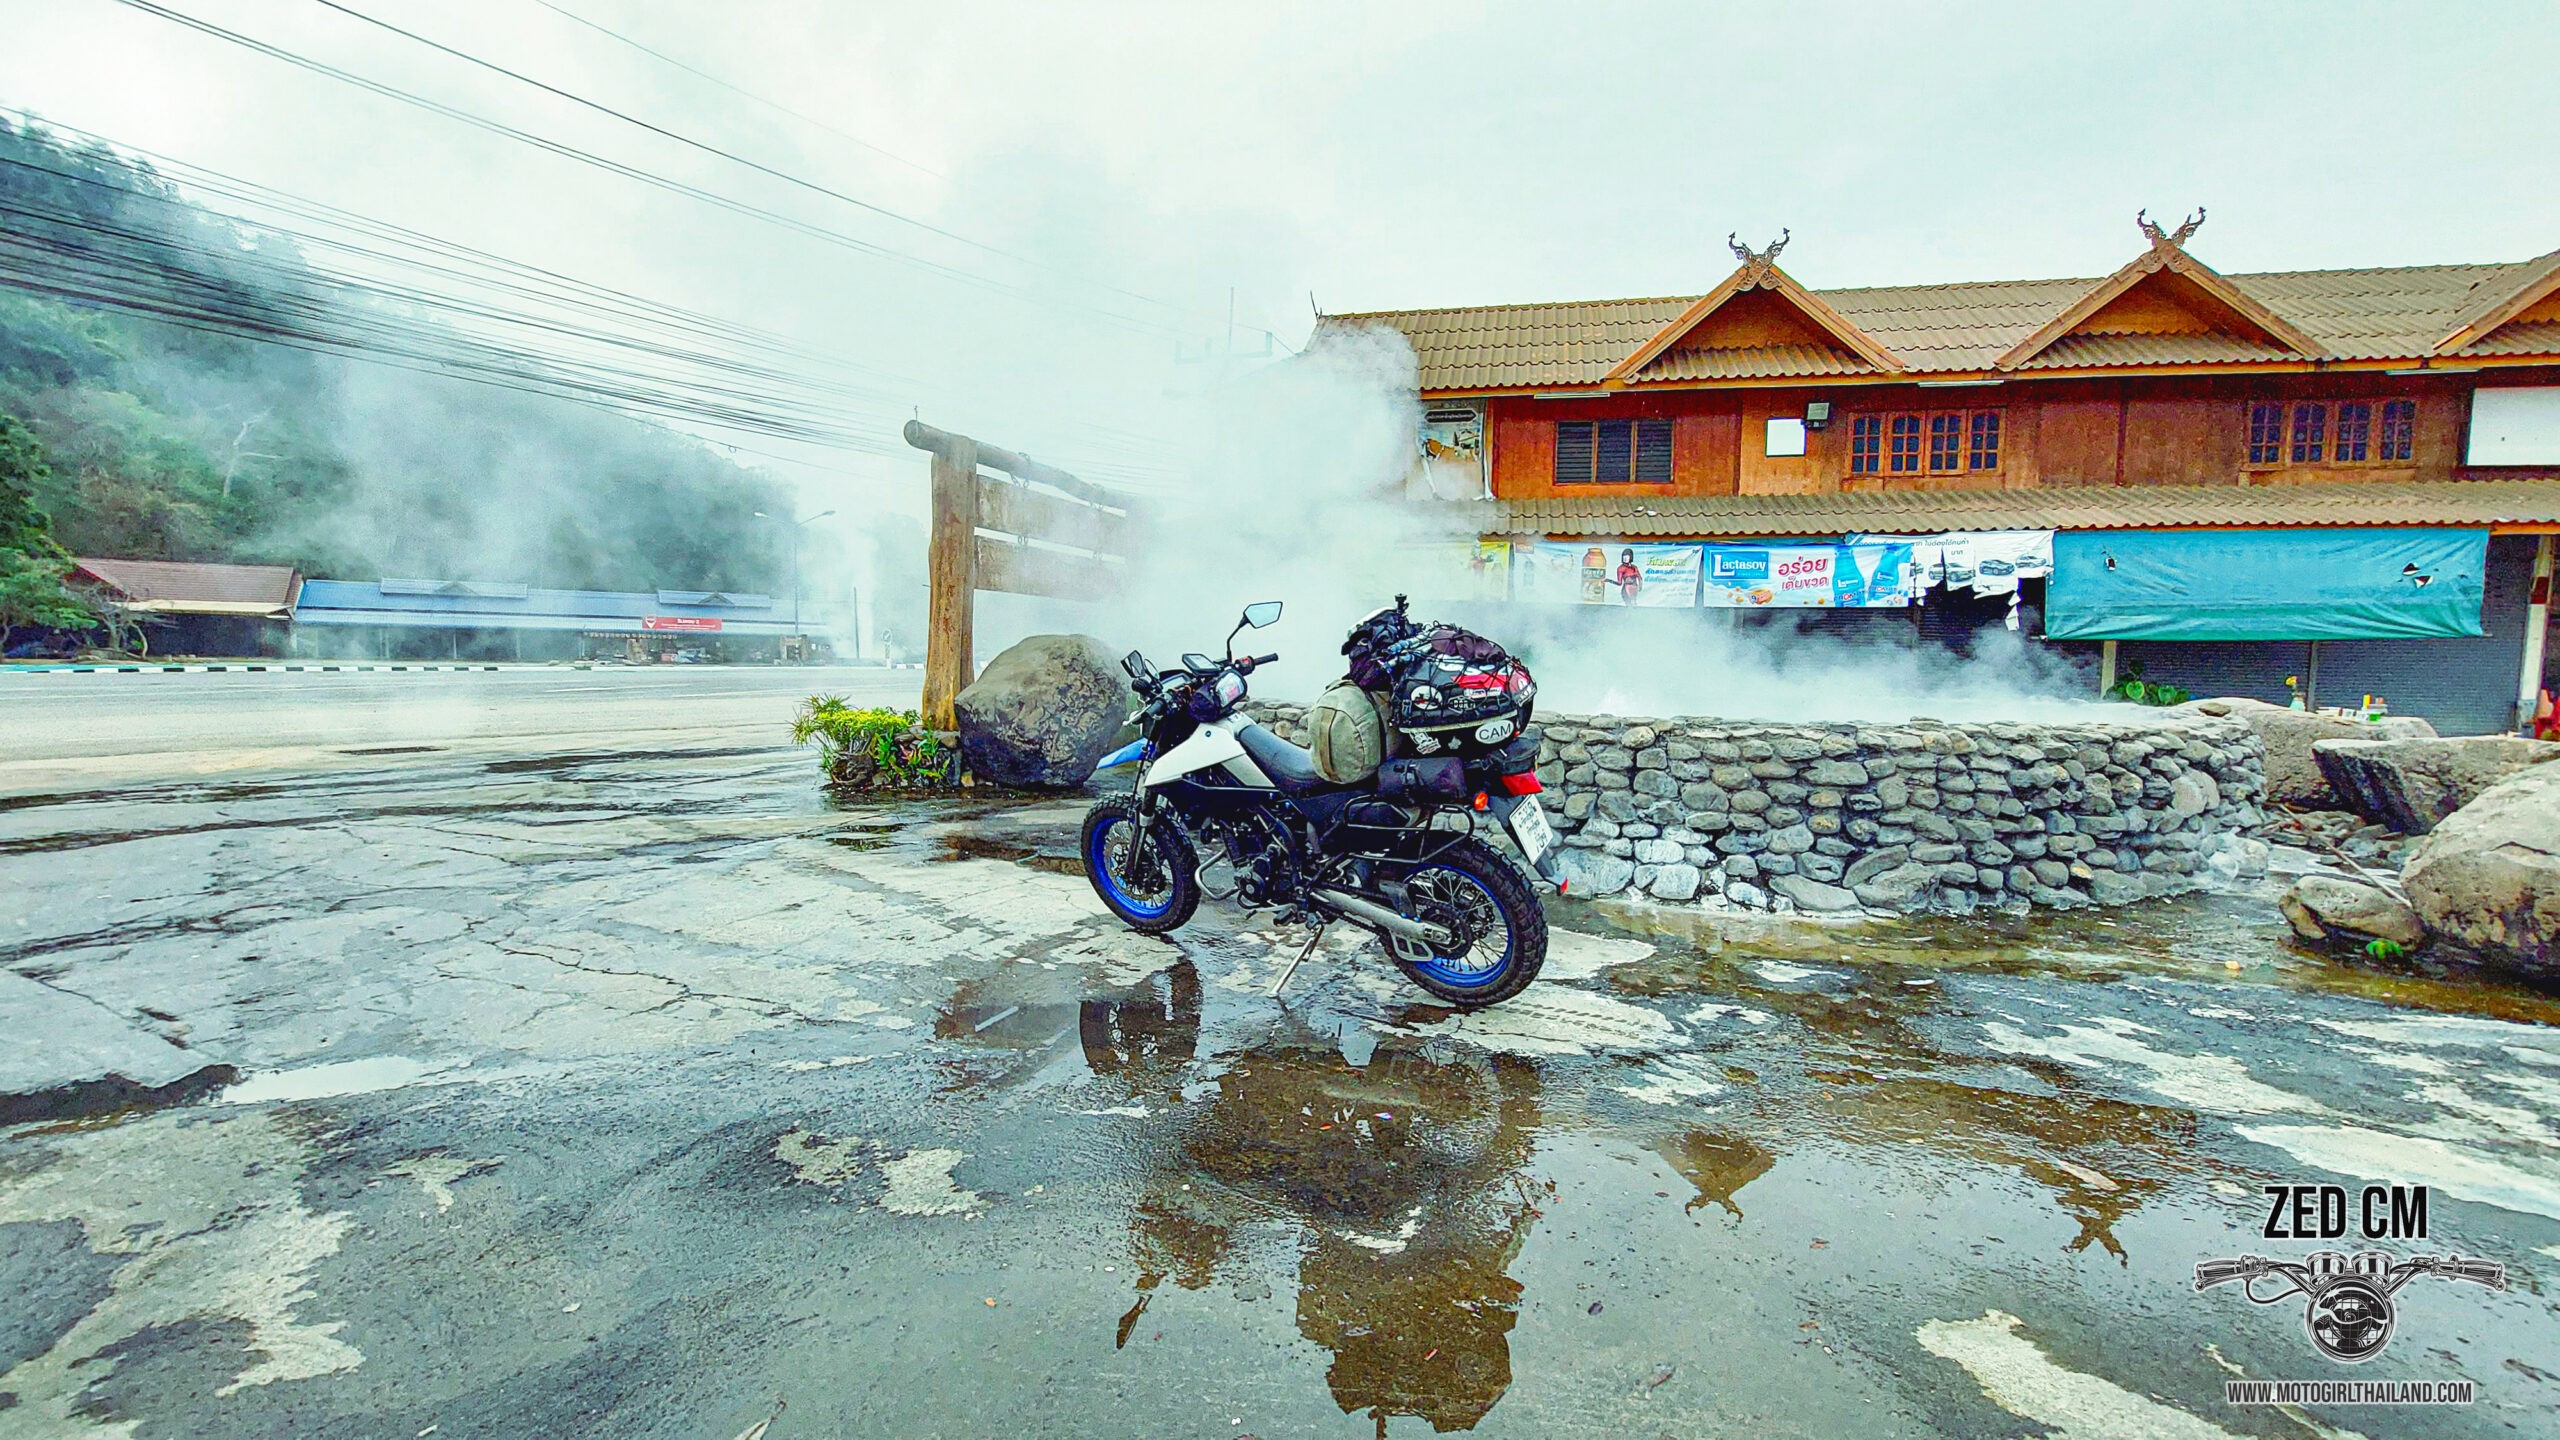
(1262, 613)
(1135, 664)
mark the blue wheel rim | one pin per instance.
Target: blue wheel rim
(1097, 863)
(1459, 971)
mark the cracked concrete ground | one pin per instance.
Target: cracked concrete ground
(593, 1089)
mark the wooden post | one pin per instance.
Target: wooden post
(2537, 622)
(951, 557)
(2311, 679)
(2106, 667)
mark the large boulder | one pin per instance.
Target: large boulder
(2409, 785)
(2332, 908)
(2488, 876)
(2287, 735)
(1043, 712)
(1589, 874)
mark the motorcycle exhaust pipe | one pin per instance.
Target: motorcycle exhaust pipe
(1371, 912)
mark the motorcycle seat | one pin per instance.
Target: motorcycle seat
(1290, 767)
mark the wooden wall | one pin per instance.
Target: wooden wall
(2167, 431)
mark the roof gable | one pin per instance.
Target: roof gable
(2393, 314)
(1758, 306)
(2166, 291)
(2534, 300)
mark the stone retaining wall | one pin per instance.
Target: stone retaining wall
(1923, 816)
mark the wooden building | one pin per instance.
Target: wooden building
(2164, 395)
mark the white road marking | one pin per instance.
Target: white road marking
(2021, 1379)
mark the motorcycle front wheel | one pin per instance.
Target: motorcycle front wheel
(1500, 926)
(1153, 892)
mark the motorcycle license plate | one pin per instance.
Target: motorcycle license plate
(1529, 826)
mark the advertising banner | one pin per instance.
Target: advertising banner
(1643, 573)
(680, 622)
(1986, 562)
(1758, 577)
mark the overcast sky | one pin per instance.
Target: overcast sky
(1379, 156)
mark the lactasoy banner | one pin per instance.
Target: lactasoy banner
(1757, 577)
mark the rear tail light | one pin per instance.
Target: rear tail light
(1524, 783)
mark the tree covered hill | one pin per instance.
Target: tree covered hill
(163, 439)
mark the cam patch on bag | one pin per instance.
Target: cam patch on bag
(1346, 733)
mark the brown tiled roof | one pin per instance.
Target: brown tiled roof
(1560, 345)
(2078, 352)
(190, 588)
(2097, 507)
(2523, 337)
(1745, 364)
(2374, 314)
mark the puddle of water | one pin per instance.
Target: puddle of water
(341, 1077)
(1406, 1179)
(984, 847)
(2220, 939)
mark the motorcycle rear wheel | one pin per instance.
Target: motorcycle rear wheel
(1507, 943)
(1153, 894)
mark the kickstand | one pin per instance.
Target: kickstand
(1296, 960)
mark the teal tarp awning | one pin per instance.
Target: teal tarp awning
(2340, 584)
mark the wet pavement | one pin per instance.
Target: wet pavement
(598, 1090)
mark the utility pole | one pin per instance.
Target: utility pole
(796, 526)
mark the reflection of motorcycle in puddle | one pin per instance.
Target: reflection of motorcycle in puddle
(1146, 1041)
(1407, 1175)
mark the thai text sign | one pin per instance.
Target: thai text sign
(1649, 574)
(1757, 577)
(680, 622)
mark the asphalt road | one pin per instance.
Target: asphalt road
(592, 1088)
(198, 722)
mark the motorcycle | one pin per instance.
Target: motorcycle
(1397, 855)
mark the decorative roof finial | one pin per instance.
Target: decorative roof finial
(2157, 236)
(1760, 262)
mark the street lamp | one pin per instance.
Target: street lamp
(795, 563)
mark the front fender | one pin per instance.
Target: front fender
(1134, 750)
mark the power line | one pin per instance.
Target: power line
(734, 158)
(632, 172)
(775, 105)
(131, 269)
(264, 197)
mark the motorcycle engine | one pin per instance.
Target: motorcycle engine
(1264, 870)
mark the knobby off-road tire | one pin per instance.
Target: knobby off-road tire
(1150, 910)
(1472, 873)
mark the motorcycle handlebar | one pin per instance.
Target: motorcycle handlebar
(1266, 659)
(2478, 1272)
(2222, 1272)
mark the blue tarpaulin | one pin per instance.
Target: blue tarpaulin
(2336, 584)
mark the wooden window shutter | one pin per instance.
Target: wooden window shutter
(1653, 452)
(1573, 452)
(1614, 460)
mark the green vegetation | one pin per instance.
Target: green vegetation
(865, 748)
(2157, 692)
(173, 443)
(33, 569)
